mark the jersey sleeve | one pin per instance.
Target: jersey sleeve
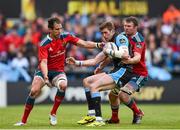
(71, 39)
(122, 40)
(43, 52)
(138, 47)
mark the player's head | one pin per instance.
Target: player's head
(55, 27)
(108, 30)
(130, 25)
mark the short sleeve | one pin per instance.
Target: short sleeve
(43, 52)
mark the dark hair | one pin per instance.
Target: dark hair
(51, 22)
(132, 19)
(109, 25)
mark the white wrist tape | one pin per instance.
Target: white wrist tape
(97, 45)
(117, 53)
(78, 63)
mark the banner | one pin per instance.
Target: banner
(153, 92)
(45, 8)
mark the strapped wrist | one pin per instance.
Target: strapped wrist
(97, 45)
(78, 63)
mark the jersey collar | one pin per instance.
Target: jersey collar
(48, 37)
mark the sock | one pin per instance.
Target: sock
(57, 101)
(27, 109)
(115, 110)
(132, 105)
(96, 100)
(91, 111)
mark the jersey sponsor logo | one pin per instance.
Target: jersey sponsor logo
(57, 54)
(122, 40)
(138, 45)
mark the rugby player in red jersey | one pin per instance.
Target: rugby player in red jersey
(138, 79)
(51, 67)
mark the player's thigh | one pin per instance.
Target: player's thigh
(92, 79)
(37, 84)
(106, 87)
(60, 81)
(134, 84)
(105, 82)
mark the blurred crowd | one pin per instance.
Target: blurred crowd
(19, 39)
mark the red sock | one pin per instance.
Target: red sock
(134, 107)
(115, 114)
(27, 111)
(57, 102)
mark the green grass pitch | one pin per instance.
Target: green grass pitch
(156, 117)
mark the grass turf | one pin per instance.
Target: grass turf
(156, 117)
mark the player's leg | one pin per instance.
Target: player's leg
(103, 82)
(37, 84)
(60, 81)
(91, 112)
(125, 96)
(114, 103)
(121, 77)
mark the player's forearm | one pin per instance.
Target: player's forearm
(135, 59)
(104, 63)
(44, 68)
(90, 62)
(117, 53)
(89, 44)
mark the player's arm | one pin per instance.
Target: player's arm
(134, 60)
(137, 51)
(43, 55)
(101, 66)
(44, 68)
(122, 51)
(90, 62)
(89, 44)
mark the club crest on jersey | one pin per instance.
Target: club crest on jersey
(122, 40)
(138, 45)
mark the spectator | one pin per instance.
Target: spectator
(171, 14)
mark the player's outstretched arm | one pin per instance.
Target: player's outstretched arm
(90, 62)
(89, 44)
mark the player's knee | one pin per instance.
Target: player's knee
(63, 85)
(34, 92)
(123, 96)
(94, 88)
(86, 83)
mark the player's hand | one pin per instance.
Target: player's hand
(101, 45)
(105, 50)
(46, 81)
(70, 60)
(126, 60)
(98, 70)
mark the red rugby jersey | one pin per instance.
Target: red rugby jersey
(139, 46)
(54, 50)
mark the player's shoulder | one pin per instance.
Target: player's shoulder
(65, 35)
(46, 40)
(138, 38)
(122, 38)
